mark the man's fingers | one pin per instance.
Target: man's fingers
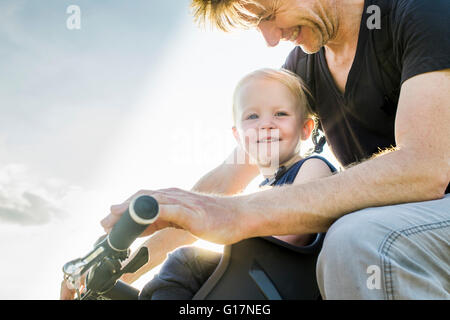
(111, 219)
(174, 214)
(171, 211)
(108, 222)
(170, 216)
(140, 192)
(118, 209)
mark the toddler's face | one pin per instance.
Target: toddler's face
(268, 123)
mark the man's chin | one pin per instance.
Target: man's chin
(309, 49)
(313, 41)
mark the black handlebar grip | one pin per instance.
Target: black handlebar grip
(142, 211)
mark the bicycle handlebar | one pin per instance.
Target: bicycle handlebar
(102, 265)
(142, 211)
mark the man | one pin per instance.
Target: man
(377, 86)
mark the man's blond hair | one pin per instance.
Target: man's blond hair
(293, 82)
(226, 14)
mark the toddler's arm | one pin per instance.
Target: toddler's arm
(311, 170)
(159, 245)
(230, 178)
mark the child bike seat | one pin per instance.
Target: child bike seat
(264, 268)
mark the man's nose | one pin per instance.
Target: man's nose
(271, 33)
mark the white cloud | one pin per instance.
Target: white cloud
(28, 200)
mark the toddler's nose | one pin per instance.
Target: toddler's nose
(266, 124)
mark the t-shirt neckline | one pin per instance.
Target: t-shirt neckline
(355, 68)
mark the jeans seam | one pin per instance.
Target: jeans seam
(386, 245)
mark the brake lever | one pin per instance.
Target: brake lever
(137, 262)
(74, 270)
(96, 267)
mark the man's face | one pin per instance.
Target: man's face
(306, 23)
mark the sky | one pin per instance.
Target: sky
(138, 97)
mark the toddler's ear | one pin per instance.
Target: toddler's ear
(236, 135)
(308, 127)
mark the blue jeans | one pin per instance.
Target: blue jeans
(391, 252)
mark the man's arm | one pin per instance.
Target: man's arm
(226, 179)
(417, 170)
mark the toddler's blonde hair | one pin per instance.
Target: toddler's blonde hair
(293, 82)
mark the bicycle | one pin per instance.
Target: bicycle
(102, 267)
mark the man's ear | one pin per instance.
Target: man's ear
(308, 127)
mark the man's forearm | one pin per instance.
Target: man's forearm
(389, 179)
(226, 179)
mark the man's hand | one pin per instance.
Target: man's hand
(199, 214)
(211, 218)
(229, 178)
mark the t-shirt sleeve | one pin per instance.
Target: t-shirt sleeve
(422, 35)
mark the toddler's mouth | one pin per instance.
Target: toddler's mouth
(269, 140)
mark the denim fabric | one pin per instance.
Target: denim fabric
(391, 252)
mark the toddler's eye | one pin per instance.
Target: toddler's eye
(281, 114)
(252, 117)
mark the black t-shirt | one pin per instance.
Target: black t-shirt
(414, 38)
